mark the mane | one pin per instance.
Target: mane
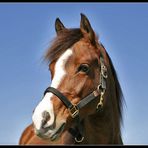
(119, 93)
(64, 40)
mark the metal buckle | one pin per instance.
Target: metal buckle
(73, 111)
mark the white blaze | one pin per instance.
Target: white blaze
(46, 103)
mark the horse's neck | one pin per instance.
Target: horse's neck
(96, 129)
(99, 129)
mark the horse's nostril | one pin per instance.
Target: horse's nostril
(46, 117)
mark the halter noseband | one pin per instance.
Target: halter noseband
(74, 108)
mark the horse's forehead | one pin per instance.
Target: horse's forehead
(84, 49)
(83, 44)
(81, 51)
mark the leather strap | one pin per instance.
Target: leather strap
(87, 99)
(64, 99)
(67, 103)
(78, 131)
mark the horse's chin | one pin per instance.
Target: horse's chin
(55, 134)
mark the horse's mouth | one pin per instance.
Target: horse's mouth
(54, 133)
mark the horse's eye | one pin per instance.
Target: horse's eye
(84, 68)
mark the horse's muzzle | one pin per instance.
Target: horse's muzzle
(51, 133)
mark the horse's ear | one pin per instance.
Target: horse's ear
(59, 26)
(86, 28)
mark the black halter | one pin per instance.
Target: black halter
(74, 109)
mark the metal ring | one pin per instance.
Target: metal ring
(105, 74)
(99, 87)
(79, 141)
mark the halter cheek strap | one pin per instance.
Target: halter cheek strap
(102, 86)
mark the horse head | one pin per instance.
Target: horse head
(79, 67)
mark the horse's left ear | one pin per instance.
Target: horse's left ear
(86, 28)
(59, 26)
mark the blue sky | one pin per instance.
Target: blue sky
(26, 30)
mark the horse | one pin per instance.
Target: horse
(84, 103)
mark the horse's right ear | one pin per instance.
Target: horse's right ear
(59, 26)
(86, 28)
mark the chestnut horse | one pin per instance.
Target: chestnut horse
(83, 105)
